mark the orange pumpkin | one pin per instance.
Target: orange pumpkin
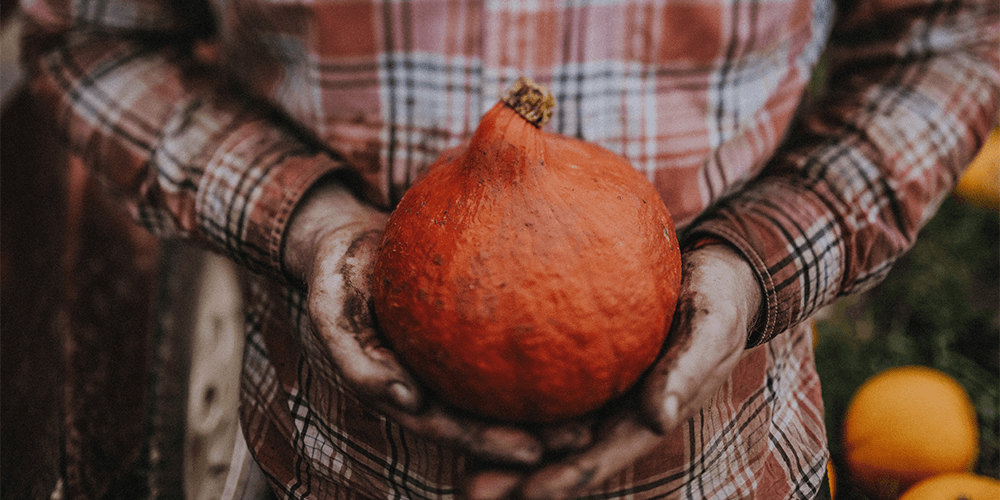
(980, 183)
(906, 424)
(955, 486)
(528, 276)
(831, 475)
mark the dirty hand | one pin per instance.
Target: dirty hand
(718, 302)
(330, 246)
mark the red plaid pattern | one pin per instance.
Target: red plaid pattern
(762, 437)
(700, 95)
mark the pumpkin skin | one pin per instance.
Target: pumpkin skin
(954, 486)
(528, 277)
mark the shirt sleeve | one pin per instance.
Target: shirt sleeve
(189, 156)
(912, 93)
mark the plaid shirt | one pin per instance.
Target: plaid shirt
(700, 95)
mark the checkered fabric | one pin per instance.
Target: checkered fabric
(703, 96)
(761, 437)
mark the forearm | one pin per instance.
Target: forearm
(867, 167)
(185, 156)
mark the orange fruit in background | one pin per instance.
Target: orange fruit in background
(980, 183)
(907, 424)
(831, 473)
(954, 486)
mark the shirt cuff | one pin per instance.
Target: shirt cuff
(794, 247)
(245, 202)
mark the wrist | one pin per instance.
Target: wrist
(734, 276)
(327, 209)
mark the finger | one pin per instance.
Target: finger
(493, 484)
(488, 442)
(623, 441)
(679, 386)
(705, 343)
(491, 481)
(567, 437)
(369, 368)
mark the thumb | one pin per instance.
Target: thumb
(704, 353)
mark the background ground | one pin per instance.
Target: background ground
(938, 308)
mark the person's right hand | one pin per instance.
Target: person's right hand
(330, 246)
(718, 304)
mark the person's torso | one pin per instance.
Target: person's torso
(696, 93)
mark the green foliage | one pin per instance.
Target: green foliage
(939, 308)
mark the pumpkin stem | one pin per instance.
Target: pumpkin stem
(530, 100)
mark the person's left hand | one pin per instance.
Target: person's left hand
(330, 248)
(718, 302)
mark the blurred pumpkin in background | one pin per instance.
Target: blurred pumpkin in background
(831, 473)
(980, 183)
(954, 486)
(907, 424)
